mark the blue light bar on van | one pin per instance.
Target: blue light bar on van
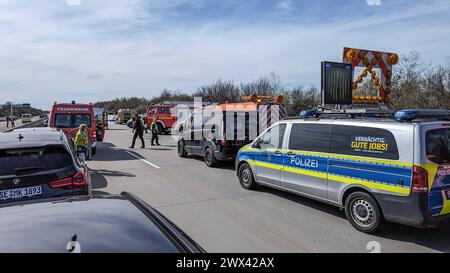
(308, 113)
(411, 114)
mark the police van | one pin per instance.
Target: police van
(376, 169)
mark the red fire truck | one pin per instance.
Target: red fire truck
(164, 115)
(69, 116)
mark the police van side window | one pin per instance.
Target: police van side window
(363, 141)
(272, 139)
(310, 137)
(437, 143)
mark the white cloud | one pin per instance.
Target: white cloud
(374, 2)
(103, 49)
(285, 4)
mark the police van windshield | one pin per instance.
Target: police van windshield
(438, 145)
(72, 120)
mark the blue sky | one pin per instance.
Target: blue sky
(101, 49)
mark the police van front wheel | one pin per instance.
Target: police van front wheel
(246, 177)
(363, 212)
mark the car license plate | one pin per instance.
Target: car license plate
(20, 193)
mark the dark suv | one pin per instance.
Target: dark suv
(38, 163)
(208, 140)
(90, 224)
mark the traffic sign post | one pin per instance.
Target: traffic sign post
(23, 106)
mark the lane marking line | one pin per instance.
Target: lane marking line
(143, 160)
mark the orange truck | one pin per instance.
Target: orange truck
(165, 115)
(69, 116)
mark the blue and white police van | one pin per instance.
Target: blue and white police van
(377, 169)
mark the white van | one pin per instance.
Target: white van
(26, 118)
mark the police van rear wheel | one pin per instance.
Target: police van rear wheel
(363, 212)
(246, 177)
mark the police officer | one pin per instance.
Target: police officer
(138, 129)
(155, 131)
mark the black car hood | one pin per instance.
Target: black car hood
(89, 224)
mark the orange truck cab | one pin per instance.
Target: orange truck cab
(161, 114)
(69, 116)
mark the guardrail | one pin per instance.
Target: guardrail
(37, 123)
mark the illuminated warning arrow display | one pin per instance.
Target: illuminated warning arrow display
(337, 81)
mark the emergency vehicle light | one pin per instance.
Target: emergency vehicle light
(411, 114)
(258, 99)
(308, 113)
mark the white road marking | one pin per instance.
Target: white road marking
(143, 160)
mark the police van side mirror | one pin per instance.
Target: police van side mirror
(258, 144)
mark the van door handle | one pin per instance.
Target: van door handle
(290, 154)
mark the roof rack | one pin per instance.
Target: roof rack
(347, 113)
(408, 115)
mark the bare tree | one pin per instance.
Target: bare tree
(219, 91)
(263, 86)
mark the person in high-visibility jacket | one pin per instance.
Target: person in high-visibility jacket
(81, 142)
(155, 131)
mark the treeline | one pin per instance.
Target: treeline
(415, 85)
(221, 91)
(5, 110)
(420, 85)
(133, 103)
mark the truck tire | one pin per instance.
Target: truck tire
(89, 153)
(99, 135)
(181, 151)
(161, 129)
(209, 158)
(363, 212)
(246, 177)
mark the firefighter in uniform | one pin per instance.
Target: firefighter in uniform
(155, 131)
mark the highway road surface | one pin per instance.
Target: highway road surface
(17, 123)
(210, 205)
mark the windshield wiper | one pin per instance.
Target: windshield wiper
(29, 169)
